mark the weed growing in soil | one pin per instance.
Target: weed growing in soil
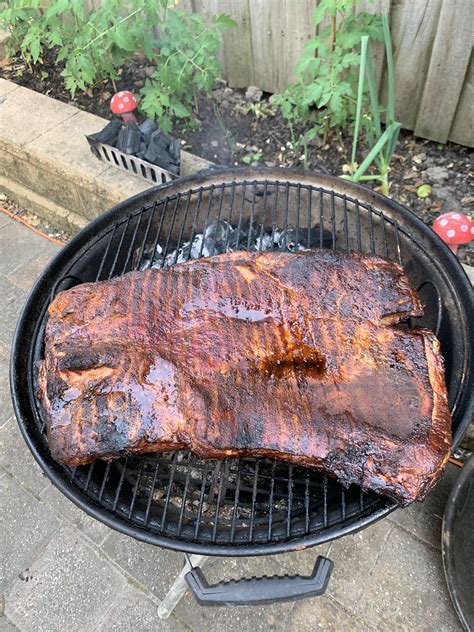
(96, 43)
(325, 93)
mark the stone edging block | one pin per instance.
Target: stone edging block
(47, 166)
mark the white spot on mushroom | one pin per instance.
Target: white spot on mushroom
(464, 228)
(120, 94)
(456, 216)
(126, 99)
(451, 232)
(472, 230)
(443, 222)
(120, 106)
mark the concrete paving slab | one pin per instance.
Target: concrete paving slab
(26, 274)
(152, 566)
(70, 588)
(26, 526)
(6, 408)
(407, 588)
(273, 617)
(12, 301)
(424, 519)
(7, 86)
(133, 612)
(19, 245)
(75, 517)
(6, 625)
(320, 613)
(17, 459)
(38, 115)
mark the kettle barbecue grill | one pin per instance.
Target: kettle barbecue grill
(239, 506)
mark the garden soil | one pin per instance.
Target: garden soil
(232, 131)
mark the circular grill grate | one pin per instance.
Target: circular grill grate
(237, 505)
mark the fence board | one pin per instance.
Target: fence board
(448, 65)
(279, 32)
(237, 54)
(462, 128)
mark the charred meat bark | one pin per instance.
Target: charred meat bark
(291, 356)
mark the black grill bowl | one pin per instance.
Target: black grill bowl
(239, 506)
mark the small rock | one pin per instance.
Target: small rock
(253, 94)
(149, 70)
(270, 620)
(3, 197)
(214, 143)
(437, 174)
(139, 83)
(270, 163)
(419, 158)
(224, 104)
(469, 199)
(2, 99)
(228, 91)
(428, 201)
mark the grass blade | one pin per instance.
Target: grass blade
(364, 43)
(393, 141)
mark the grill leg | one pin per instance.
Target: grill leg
(179, 587)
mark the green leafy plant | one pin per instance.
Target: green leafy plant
(185, 65)
(325, 92)
(94, 44)
(381, 143)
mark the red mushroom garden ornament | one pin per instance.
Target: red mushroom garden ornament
(124, 103)
(455, 229)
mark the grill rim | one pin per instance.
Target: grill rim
(442, 256)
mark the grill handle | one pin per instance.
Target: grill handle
(260, 590)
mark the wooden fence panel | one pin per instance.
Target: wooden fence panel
(448, 65)
(413, 27)
(237, 53)
(462, 129)
(279, 32)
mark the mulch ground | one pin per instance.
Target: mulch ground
(232, 131)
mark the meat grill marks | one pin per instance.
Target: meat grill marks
(283, 355)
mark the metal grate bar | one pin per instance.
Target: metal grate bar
(201, 500)
(343, 503)
(147, 233)
(310, 201)
(185, 496)
(158, 234)
(196, 215)
(119, 247)
(346, 223)
(306, 504)
(298, 204)
(132, 242)
(241, 214)
(358, 227)
(135, 488)
(89, 475)
(220, 495)
(236, 504)
(384, 235)
(252, 211)
(290, 500)
(104, 480)
(183, 224)
(371, 231)
(120, 484)
(152, 492)
(321, 217)
(206, 221)
(173, 219)
(107, 249)
(397, 241)
(325, 501)
(168, 491)
(270, 501)
(287, 206)
(333, 221)
(254, 498)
